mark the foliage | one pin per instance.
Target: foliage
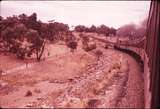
(24, 35)
(85, 40)
(71, 41)
(102, 29)
(90, 46)
(87, 45)
(98, 53)
(80, 28)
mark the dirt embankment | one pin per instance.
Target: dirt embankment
(104, 84)
(101, 85)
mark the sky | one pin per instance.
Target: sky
(111, 13)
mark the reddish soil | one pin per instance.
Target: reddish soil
(65, 79)
(60, 66)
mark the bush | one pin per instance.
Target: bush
(72, 45)
(89, 47)
(106, 46)
(98, 53)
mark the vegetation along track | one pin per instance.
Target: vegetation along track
(101, 85)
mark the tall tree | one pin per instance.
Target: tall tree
(37, 43)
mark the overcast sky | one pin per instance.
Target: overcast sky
(110, 13)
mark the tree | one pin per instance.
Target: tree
(23, 18)
(1, 18)
(103, 29)
(13, 39)
(8, 38)
(37, 43)
(85, 40)
(80, 28)
(57, 31)
(71, 41)
(23, 35)
(32, 22)
(112, 31)
(93, 28)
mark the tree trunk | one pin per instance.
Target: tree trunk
(40, 52)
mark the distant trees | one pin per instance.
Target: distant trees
(113, 31)
(24, 35)
(129, 30)
(93, 28)
(57, 31)
(102, 29)
(80, 28)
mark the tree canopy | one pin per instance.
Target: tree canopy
(102, 29)
(25, 35)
